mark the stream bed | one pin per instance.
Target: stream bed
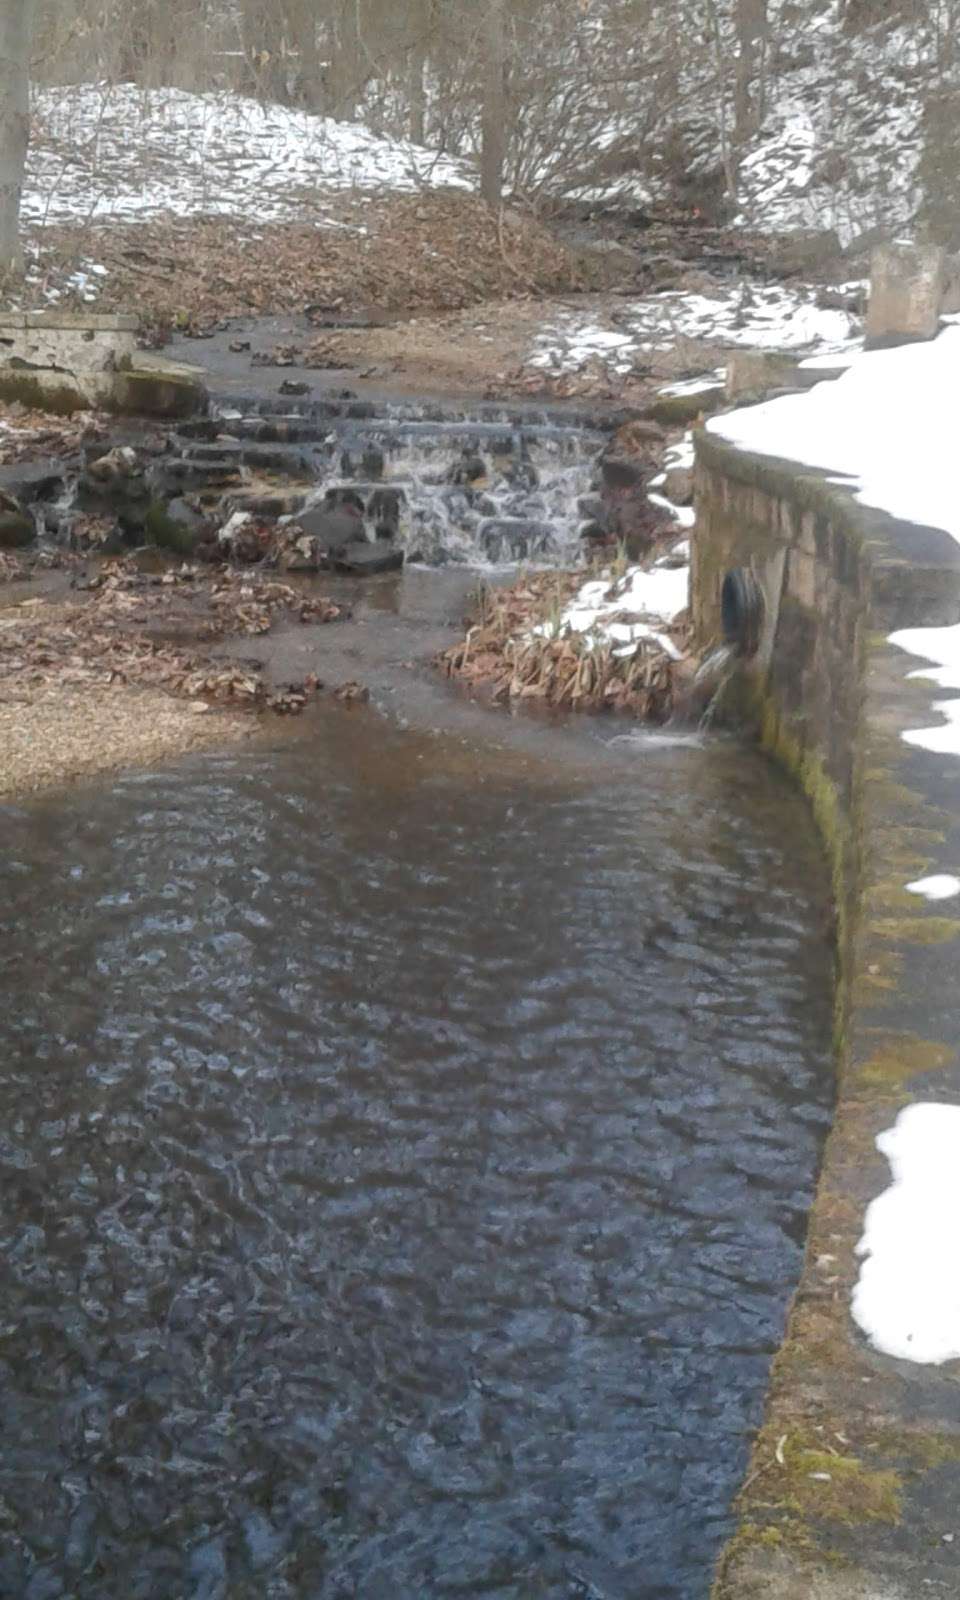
(406, 1145)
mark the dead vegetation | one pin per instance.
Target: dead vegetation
(125, 626)
(504, 659)
(392, 254)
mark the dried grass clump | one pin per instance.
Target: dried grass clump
(502, 657)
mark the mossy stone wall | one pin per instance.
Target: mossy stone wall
(857, 1464)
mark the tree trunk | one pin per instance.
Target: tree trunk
(263, 47)
(348, 76)
(418, 43)
(302, 34)
(417, 92)
(751, 36)
(15, 20)
(494, 130)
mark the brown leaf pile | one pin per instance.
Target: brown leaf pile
(500, 658)
(593, 381)
(26, 435)
(439, 251)
(21, 568)
(106, 637)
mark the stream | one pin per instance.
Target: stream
(406, 1147)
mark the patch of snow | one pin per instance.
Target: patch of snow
(940, 887)
(887, 429)
(684, 516)
(828, 156)
(650, 599)
(696, 385)
(116, 151)
(907, 1298)
(940, 646)
(746, 315)
(681, 454)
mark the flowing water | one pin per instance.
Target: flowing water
(406, 1146)
(488, 486)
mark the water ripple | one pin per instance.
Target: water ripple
(404, 1182)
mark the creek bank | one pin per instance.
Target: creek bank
(855, 1479)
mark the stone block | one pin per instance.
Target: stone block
(951, 293)
(752, 374)
(907, 286)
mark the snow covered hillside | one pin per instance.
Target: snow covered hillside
(843, 139)
(101, 152)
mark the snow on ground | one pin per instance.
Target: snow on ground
(841, 144)
(887, 428)
(940, 646)
(907, 1300)
(118, 152)
(741, 315)
(625, 611)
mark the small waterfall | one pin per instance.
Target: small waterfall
(490, 489)
(716, 669)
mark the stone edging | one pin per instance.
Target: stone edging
(854, 1488)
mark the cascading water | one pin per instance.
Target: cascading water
(486, 489)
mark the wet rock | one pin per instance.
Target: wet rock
(427, 544)
(522, 474)
(592, 507)
(178, 477)
(514, 539)
(16, 525)
(244, 538)
(153, 387)
(638, 437)
(366, 560)
(331, 529)
(111, 466)
(385, 510)
(678, 486)
(681, 410)
(206, 428)
(624, 472)
(206, 1574)
(471, 472)
(175, 526)
(371, 465)
(594, 536)
(28, 481)
(262, 502)
(43, 1585)
(349, 499)
(231, 456)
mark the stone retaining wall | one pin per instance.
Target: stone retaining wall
(69, 361)
(854, 1488)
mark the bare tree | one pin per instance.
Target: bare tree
(15, 20)
(751, 24)
(493, 153)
